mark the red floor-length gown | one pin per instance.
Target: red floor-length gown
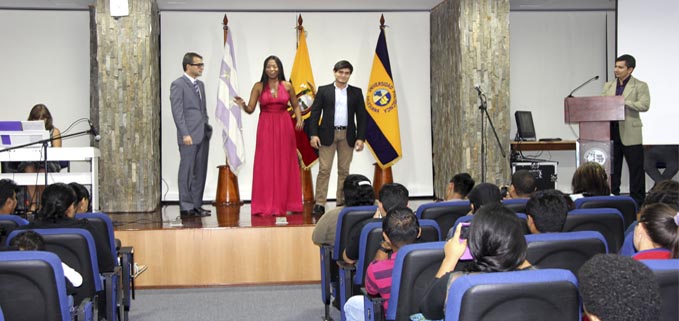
(276, 185)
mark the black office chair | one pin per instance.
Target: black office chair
(34, 288)
(626, 205)
(607, 221)
(76, 248)
(667, 274)
(565, 250)
(550, 294)
(414, 269)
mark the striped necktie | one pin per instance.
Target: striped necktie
(197, 89)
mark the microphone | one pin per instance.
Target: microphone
(585, 83)
(94, 131)
(478, 90)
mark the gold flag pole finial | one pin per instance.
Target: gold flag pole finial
(382, 22)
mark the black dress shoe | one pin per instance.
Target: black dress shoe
(188, 213)
(202, 212)
(318, 209)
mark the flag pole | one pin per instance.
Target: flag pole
(227, 183)
(305, 173)
(381, 176)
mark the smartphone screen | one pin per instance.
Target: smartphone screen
(464, 234)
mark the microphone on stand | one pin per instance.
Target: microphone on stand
(585, 83)
(478, 90)
(94, 131)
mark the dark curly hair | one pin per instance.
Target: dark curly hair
(619, 288)
(358, 191)
(548, 209)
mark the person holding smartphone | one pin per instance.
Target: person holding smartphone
(496, 243)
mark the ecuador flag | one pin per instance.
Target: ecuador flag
(382, 132)
(303, 83)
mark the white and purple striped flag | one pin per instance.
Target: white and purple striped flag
(228, 113)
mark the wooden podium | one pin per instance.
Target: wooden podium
(594, 114)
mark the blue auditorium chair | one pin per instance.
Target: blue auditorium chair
(331, 255)
(607, 221)
(565, 250)
(371, 239)
(625, 204)
(122, 295)
(9, 223)
(76, 248)
(444, 213)
(468, 218)
(518, 205)
(628, 248)
(550, 294)
(414, 268)
(33, 279)
(667, 274)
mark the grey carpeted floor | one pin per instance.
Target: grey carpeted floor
(280, 303)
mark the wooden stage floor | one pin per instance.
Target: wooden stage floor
(231, 247)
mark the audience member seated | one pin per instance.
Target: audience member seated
(482, 194)
(82, 198)
(8, 196)
(495, 241)
(391, 196)
(357, 192)
(58, 211)
(32, 241)
(459, 187)
(399, 228)
(590, 179)
(546, 211)
(617, 288)
(656, 237)
(40, 112)
(523, 184)
(666, 192)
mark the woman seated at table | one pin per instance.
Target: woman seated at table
(40, 112)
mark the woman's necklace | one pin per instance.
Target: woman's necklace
(272, 89)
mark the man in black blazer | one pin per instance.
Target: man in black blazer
(341, 129)
(187, 97)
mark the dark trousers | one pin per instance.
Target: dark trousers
(634, 155)
(192, 173)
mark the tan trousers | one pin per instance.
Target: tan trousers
(326, 155)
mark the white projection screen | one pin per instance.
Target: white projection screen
(647, 31)
(332, 36)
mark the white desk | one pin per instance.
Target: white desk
(71, 154)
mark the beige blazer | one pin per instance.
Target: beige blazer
(637, 99)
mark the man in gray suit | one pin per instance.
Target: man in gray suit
(626, 134)
(187, 97)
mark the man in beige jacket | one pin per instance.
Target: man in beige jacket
(626, 134)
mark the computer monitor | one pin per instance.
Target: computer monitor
(524, 125)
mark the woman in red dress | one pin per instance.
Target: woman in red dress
(276, 185)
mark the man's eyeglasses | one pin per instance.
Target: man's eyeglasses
(198, 65)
